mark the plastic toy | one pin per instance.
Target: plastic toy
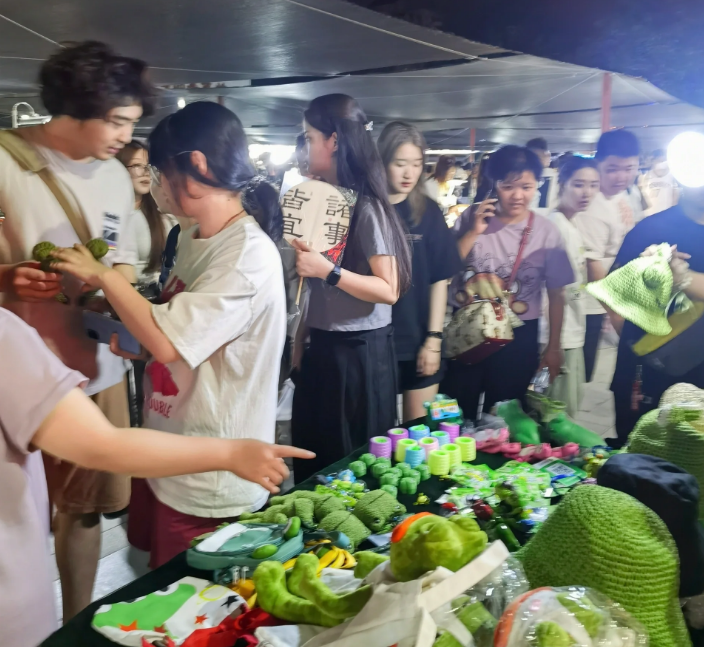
(521, 426)
(562, 430)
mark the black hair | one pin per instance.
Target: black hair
(359, 167)
(619, 143)
(444, 164)
(148, 207)
(659, 152)
(484, 182)
(538, 144)
(511, 161)
(300, 141)
(86, 80)
(216, 132)
(571, 164)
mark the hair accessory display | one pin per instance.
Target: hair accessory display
(429, 444)
(380, 446)
(442, 436)
(415, 455)
(468, 448)
(419, 431)
(439, 461)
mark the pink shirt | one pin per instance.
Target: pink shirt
(32, 382)
(489, 264)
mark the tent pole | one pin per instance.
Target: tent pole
(472, 142)
(606, 102)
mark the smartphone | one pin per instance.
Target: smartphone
(492, 195)
(101, 328)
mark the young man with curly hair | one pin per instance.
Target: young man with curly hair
(95, 97)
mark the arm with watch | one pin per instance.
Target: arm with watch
(430, 353)
(379, 287)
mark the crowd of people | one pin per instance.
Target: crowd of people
(196, 273)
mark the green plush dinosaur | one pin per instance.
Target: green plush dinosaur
(367, 562)
(274, 597)
(425, 541)
(376, 509)
(348, 524)
(303, 582)
(273, 514)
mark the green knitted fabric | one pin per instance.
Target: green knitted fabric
(672, 435)
(640, 291)
(347, 523)
(607, 540)
(328, 504)
(376, 509)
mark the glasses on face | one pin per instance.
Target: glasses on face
(155, 173)
(138, 170)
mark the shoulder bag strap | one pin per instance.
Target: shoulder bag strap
(168, 258)
(28, 159)
(519, 257)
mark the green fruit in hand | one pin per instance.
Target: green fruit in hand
(98, 247)
(265, 551)
(293, 527)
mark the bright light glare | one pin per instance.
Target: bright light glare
(685, 156)
(181, 103)
(280, 154)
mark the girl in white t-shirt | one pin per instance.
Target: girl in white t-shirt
(579, 184)
(217, 337)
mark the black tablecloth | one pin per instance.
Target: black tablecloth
(79, 633)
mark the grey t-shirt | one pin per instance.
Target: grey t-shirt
(32, 382)
(330, 308)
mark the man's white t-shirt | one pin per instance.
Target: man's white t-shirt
(32, 215)
(603, 226)
(225, 313)
(546, 197)
(661, 192)
(574, 321)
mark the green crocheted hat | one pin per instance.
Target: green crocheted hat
(640, 291)
(609, 541)
(675, 433)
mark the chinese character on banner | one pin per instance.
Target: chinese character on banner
(335, 232)
(335, 206)
(290, 225)
(295, 201)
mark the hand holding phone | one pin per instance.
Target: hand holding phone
(101, 328)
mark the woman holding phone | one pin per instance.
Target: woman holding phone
(346, 390)
(218, 334)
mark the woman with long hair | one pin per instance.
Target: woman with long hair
(436, 186)
(346, 390)
(216, 339)
(147, 225)
(418, 316)
(579, 183)
(491, 233)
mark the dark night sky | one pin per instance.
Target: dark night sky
(660, 40)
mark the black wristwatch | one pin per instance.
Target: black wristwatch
(434, 335)
(334, 276)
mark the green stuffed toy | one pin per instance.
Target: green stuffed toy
(298, 494)
(274, 514)
(521, 427)
(274, 597)
(303, 582)
(425, 541)
(476, 618)
(367, 562)
(376, 509)
(562, 430)
(328, 504)
(348, 524)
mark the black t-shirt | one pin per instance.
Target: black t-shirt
(673, 227)
(435, 258)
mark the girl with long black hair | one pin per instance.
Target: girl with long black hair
(346, 391)
(216, 339)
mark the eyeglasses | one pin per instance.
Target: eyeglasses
(138, 170)
(155, 173)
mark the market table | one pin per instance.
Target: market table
(79, 633)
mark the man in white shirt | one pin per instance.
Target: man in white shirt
(658, 185)
(95, 97)
(606, 222)
(545, 199)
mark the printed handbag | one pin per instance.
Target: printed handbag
(485, 326)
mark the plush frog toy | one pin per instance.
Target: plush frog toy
(425, 541)
(376, 509)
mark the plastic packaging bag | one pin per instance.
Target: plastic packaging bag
(574, 616)
(479, 609)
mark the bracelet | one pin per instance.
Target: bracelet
(434, 335)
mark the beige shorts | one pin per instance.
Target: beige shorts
(74, 490)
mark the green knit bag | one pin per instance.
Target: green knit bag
(609, 541)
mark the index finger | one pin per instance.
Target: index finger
(286, 451)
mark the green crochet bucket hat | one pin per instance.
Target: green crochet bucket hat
(609, 541)
(674, 432)
(640, 291)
